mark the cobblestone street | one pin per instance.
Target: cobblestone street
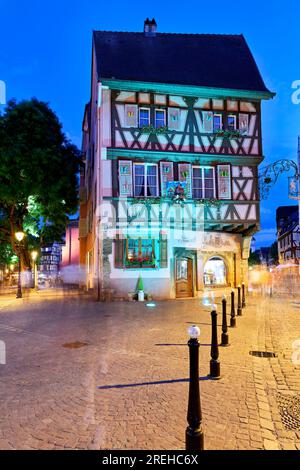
(127, 387)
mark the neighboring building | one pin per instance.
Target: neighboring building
(50, 260)
(288, 233)
(172, 135)
(70, 250)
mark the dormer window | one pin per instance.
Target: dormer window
(144, 117)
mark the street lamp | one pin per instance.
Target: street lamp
(19, 236)
(194, 438)
(34, 255)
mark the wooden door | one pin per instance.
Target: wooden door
(184, 277)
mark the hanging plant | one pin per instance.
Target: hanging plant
(154, 130)
(209, 202)
(147, 201)
(229, 134)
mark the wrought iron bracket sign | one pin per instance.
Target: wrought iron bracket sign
(269, 175)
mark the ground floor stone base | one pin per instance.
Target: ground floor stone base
(212, 261)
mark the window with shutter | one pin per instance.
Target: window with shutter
(174, 118)
(207, 121)
(145, 180)
(218, 122)
(140, 253)
(159, 118)
(125, 178)
(185, 175)
(144, 117)
(203, 182)
(231, 122)
(166, 175)
(131, 112)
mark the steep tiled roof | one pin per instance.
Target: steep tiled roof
(206, 60)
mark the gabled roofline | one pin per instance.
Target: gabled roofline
(197, 91)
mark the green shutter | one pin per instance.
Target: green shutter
(163, 251)
(125, 178)
(185, 174)
(166, 175)
(119, 252)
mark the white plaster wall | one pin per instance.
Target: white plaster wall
(160, 282)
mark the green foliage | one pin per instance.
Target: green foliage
(234, 134)
(254, 259)
(154, 130)
(38, 173)
(140, 284)
(6, 255)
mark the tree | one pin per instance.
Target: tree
(38, 176)
(6, 255)
(254, 259)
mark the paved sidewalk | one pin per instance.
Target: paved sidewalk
(49, 395)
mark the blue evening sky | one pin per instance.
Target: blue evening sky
(45, 51)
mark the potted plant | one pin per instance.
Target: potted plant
(140, 289)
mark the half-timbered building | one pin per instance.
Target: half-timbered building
(172, 140)
(288, 234)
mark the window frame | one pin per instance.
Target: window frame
(145, 164)
(163, 110)
(144, 108)
(202, 168)
(220, 115)
(235, 122)
(151, 264)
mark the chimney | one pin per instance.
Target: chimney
(150, 27)
(146, 26)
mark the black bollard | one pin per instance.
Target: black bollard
(232, 313)
(194, 437)
(214, 352)
(243, 296)
(224, 336)
(239, 306)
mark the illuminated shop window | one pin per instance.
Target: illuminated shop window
(215, 272)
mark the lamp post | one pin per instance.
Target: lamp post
(19, 237)
(34, 255)
(194, 437)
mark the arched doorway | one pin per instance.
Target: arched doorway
(215, 272)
